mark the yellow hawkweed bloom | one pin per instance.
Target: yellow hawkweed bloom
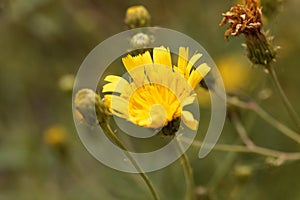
(158, 90)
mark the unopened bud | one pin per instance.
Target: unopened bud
(273, 163)
(243, 172)
(87, 102)
(140, 40)
(202, 193)
(137, 16)
(66, 82)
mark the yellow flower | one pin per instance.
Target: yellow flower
(157, 90)
(237, 76)
(55, 135)
(236, 72)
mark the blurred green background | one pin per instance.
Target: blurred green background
(42, 44)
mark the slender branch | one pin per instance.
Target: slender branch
(283, 96)
(241, 130)
(188, 172)
(251, 105)
(255, 149)
(133, 161)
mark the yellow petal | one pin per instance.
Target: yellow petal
(189, 100)
(191, 63)
(118, 105)
(162, 56)
(131, 62)
(198, 74)
(110, 87)
(189, 120)
(144, 122)
(112, 78)
(183, 58)
(118, 84)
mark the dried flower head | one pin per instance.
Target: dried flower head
(247, 19)
(243, 19)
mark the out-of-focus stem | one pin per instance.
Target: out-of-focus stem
(251, 105)
(283, 96)
(241, 130)
(255, 149)
(188, 172)
(133, 161)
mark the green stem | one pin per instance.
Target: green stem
(133, 161)
(283, 96)
(188, 172)
(255, 149)
(251, 105)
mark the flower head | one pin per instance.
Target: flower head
(157, 91)
(137, 16)
(55, 135)
(247, 19)
(243, 19)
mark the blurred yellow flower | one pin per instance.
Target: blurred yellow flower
(66, 82)
(55, 135)
(156, 94)
(236, 72)
(237, 75)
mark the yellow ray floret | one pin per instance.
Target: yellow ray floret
(158, 91)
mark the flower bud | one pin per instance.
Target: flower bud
(243, 172)
(140, 41)
(66, 82)
(86, 102)
(137, 16)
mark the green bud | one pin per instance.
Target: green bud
(243, 172)
(86, 102)
(260, 50)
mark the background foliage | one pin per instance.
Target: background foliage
(42, 41)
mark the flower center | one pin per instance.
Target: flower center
(153, 105)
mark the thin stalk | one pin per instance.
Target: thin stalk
(255, 149)
(188, 172)
(283, 96)
(133, 161)
(241, 130)
(251, 105)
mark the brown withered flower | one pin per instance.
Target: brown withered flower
(243, 19)
(247, 19)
